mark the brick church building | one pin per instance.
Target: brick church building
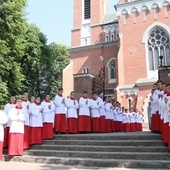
(123, 49)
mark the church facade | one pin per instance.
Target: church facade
(127, 45)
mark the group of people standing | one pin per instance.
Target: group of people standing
(31, 122)
(160, 110)
(25, 122)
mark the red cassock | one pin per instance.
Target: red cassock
(132, 127)
(26, 137)
(161, 124)
(16, 144)
(95, 124)
(47, 131)
(6, 137)
(113, 126)
(116, 126)
(35, 135)
(84, 123)
(102, 123)
(136, 126)
(126, 127)
(120, 125)
(1, 149)
(108, 125)
(165, 127)
(140, 127)
(72, 125)
(60, 124)
(155, 122)
(168, 138)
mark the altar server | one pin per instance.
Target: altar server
(25, 105)
(48, 117)
(60, 122)
(72, 115)
(7, 108)
(36, 124)
(3, 120)
(102, 120)
(94, 109)
(109, 118)
(84, 119)
(16, 133)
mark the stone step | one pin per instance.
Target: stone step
(100, 148)
(109, 136)
(89, 162)
(106, 142)
(101, 155)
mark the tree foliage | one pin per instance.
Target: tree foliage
(12, 24)
(27, 62)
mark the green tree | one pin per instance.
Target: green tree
(32, 55)
(12, 24)
(60, 59)
(54, 58)
(26, 60)
(42, 64)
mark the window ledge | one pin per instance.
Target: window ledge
(86, 21)
(112, 81)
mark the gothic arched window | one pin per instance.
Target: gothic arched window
(158, 45)
(112, 71)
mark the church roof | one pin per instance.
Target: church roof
(109, 18)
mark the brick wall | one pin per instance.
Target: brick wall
(77, 16)
(164, 75)
(134, 52)
(83, 82)
(90, 58)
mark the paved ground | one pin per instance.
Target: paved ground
(33, 166)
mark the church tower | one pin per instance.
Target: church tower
(94, 36)
(87, 15)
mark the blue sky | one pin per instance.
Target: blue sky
(55, 18)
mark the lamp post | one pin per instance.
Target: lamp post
(104, 76)
(161, 59)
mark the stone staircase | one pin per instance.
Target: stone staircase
(125, 150)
